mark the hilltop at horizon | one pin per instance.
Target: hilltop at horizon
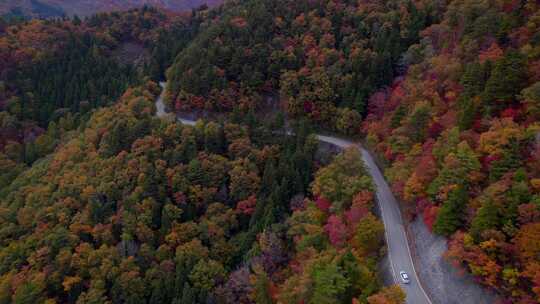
(58, 8)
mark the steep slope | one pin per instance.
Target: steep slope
(54, 73)
(324, 58)
(135, 209)
(459, 135)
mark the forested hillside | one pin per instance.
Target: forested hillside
(457, 123)
(134, 209)
(54, 72)
(459, 132)
(324, 58)
(101, 202)
(30, 8)
(60, 8)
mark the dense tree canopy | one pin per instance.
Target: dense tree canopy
(134, 209)
(470, 162)
(323, 58)
(54, 72)
(103, 203)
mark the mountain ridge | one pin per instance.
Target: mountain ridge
(59, 8)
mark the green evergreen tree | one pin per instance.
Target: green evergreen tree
(351, 271)
(466, 114)
(213, 137)
(180, 279)
(398, 115)
(28, 293)
(418, 123)
(360, 103)
(486, 218)
(269, 180)
(450, 216)
(507, 79)
(189, 295)
(188, 149)
(195, 172)
(519, 194)
(262, 294)
(510, 159)
(158, 295)
(473, 79)
(30, 152)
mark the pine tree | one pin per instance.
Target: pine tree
(418, 123)
(189, 295)
(519, 194)
(486, 218)
(258, 214)
(360, 100)
(450, 216)
(507, 79)
(195, 172)
(271, 214)
(351, 270)
(214, 138)
(467, 113)
(158, 295)
(28, 293)
(202, 297)
(236, 116)
(262, 294)
(510, 159)
(473, 80)
(188, 149)
(269, 180)
(298, 183)
(251, 120)
(180, 280)
(30, 152)
(398, 115)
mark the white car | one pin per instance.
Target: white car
(404, 277)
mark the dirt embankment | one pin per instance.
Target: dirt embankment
(444, 283)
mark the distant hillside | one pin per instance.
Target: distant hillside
(30, 8)
(50, 8)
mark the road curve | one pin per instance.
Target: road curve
(399, 253)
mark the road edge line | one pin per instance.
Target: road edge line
(402, 230)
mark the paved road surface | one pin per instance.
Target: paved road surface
(398, 248)
(160, 106)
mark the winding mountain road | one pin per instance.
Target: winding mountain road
(399, 253)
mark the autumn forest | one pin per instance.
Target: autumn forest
(104, 201)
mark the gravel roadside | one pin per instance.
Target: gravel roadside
(444, 283)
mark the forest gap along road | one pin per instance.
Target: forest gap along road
(399, 253)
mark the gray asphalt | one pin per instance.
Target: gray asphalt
(160, 106)
(399, 253)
